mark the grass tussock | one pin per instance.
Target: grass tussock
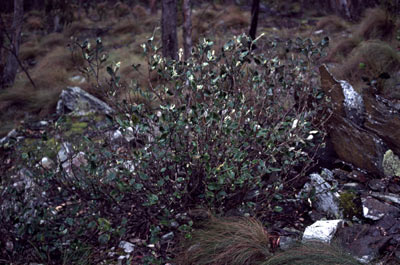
(139, 11)
(53, 40)
(376, 24)
(370, 59)
(331, 24)
(30, 50)
(234, 17)
(313, 253)
(77, 27)
(342, 49)
(234, 241)
(126, 26)
(34, 23)
(121, 9)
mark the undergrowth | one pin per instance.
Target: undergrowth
(227, 129)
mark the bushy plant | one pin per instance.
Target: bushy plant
(231, 129)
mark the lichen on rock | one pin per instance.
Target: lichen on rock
(391, 164)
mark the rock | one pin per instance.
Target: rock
(65, 152)
(78, 102)
(353, 103)
(353, 186)
(78, 79)
(325, 200)
(174, 224)
(375, 210)
(363, 241)
(387, 196)
(168, 236)
(12, 134)
(362, 126)
(77, 160)
(377, 185)
(321, 231)
(391, 164)
(9, 246)
(47, 163)
(127, 246)
(286, 242)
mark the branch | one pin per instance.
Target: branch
(13, 52)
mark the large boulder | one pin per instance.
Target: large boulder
(362, 126)
(77, 102)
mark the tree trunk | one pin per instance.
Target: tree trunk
(255, 9)
(153, 6)
(11, 66)
(168, 29)
(187, 28)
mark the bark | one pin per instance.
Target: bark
(255, 9)
(169, 29)
(11, 66)
(187, 28)
(153, 6)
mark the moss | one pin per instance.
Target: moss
(76, 128)
(48, 148)
(349, 202)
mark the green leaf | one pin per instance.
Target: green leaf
(69, 221)
(278, 209)
(143, 176)
(104, 238)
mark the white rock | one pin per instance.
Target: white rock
(65, 152)
(325, 200)
(12, 134)
(47, 163)
(127, 246)
(78, 79)
(321, 230)
(129, 134)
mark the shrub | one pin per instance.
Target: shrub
(227, 130)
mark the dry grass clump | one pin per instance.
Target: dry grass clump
(376, 24)
(126, 26)
(34, 23)
(53, 40)
(139, 11)
(370, 59)
(30, 50)
(121, 9)
(233, 16)
(331, 24)
(234, 241)
(342, 49)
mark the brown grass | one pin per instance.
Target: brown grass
(30, 50)
(121, 9)
(53, 40)
(34, 23)
(331, 24)
(376, 24)
(233, 16)
(234, 241)
(127, 26)
(139, 11)
(342, 48)
(375, 57)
